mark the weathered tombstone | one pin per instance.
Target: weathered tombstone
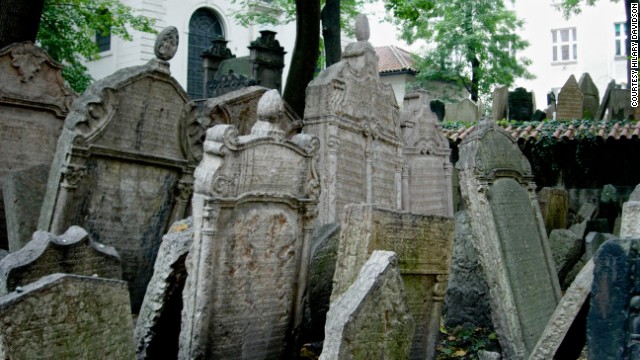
(630, 225)
(267, 58)
(23, 192)
(426, 175)
(570, 101)
(158, 324)
(465, 110)
(371, 320)
(500, 103)
(356, 118)
(239, 108)
(33, 103)
(593, 241)
(254, 208)
(566, 247)
(554, 205)
(124, 165)
(615, 104)
(614, 316)
(64, 316)
(509, 236)
(591, 96)
(423, 244)
(73, 252)
(520, 104)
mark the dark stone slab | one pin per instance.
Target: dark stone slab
(520, 104)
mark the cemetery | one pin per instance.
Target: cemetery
(136, 223)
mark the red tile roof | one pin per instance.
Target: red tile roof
(393, 59)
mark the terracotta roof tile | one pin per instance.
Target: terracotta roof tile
(393, 59)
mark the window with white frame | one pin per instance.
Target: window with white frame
(565, 45)
(620, 31)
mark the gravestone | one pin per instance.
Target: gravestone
(509, 235)
(423, 244)
(500, 103)
(465, 110)
(570, 101)
(615, 104)
(73, 252)
(593, 241)
(124, 165)
(33, 104)
(64, 316)
(554, 205)
(371, 319)
(158, 325)
(591, 96)
(613, 326)
(356, 118)
(630, 224)
(239, 108)
(23, 192)
(520, 104)
(254, 208)
(566, 247)
(550, 111)
(426, 175)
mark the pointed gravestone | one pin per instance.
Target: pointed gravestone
(73, 252)
(500, 103)
(423, 244)
(426, 176)
(509, 236)
(356, 118)
(591, 96)
(520, 104)
(570, 101)
(64, 316)
(124, 165)
(371, 319)
(33, 104)
(254, 208)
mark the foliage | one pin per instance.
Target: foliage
(464, 342)
(569, 7)
(68, 27)
(464, 32)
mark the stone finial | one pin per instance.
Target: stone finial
(362, 28)
(166, 43)
(270, 107)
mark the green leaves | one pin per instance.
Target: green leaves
(68, 28)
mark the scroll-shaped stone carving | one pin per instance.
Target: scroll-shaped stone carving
(509, 236)
(124, 164)
(253, 212)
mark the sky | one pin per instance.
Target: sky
(384, 33)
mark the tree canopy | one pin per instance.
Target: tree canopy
(68, 28)
(474, 42)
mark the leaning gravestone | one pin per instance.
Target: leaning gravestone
(591, 96)
(426, 176)
(33, 104)
(500, 103)
(73, 252)
(124, 165)
(509, 236)
(67, 317)
(613, 329)
(570, 101)
(253, 213)
(465, 110)
(371, 319)
(356, 118)
(423, 244)
(520, 104)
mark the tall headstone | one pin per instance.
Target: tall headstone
(64, 316)
(570, 101)
(73, 252)
(423, 244)
(509, 235)
(520, 104)
(124, 165)
(33, 104)
(465, 110)
(371, 319)
(591, 96)
(500, 103)
(554, 205)
(426, 175)
(613, 326)
(630, 224)
(267, 59)
(254, 209)
(356, 118)
(615, 104)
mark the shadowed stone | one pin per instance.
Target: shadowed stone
(520, 104)
(566, 248)
(554, 205)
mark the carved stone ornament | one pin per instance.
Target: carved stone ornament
(27, 59)
(166, 43)
(362, 28)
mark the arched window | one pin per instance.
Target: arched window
(204, 26)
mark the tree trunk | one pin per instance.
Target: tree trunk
(475, 77)
(331, 31)
(19, 20)
(305, 53)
